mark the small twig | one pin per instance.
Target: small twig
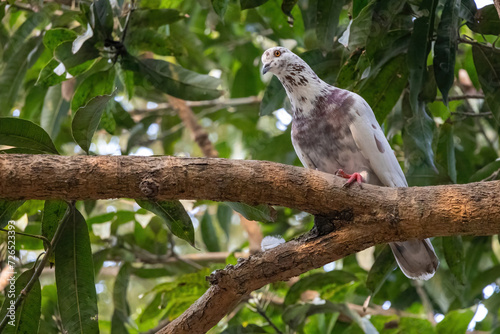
(467, 40)
(483, 132)
(472, 114)
(41, 265)
(425, 301)
(219, 103)
(462, 97)
(264, 315)
(41, 237)
(198, 133)
(188, 261)
(492, 177)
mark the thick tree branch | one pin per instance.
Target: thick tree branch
(253, 182)
(359, 218)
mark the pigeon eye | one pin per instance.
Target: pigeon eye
(277, 53)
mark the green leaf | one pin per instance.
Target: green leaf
(382, 29)
(445, 47)
(7, 209)
(173, 79)
(174, 215)
(273, 99)
(103, 14)
(154, 18)
(14, 71)
(247, 4)
(27, 315)
(33, 103)
(383, 266)
(487, 64)
(383, 90)
(152, 272)
(319, 282)
(328, 14)
(55, 109)
(25, 30)
(486, 171)
(486, 21)
(248, 329)
(145, 39)
(53, 212)
(79, 62)
(220, 7)
(108, 122)
(55, 37)
(208, 233)
(348, 74)
(261, 212)
(25, 134)
(455, 258)
(286, 8)
(359, 29)
(294, 315)
(87, 119)
(98, 84)
(468, 10)
(455, 322)
(48, 77)
(122, 309)
(445, 151)
(75, 277)
(48, 324)
(418, 50)
(224, 215)
(418, 134)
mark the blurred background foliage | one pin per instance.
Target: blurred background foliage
(79, 77)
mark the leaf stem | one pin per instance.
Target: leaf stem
(462, 97)
(264, 315)
(468, 40)
(41, 237)
(51, 246)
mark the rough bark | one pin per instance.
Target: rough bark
(253, 182)
(351, 219)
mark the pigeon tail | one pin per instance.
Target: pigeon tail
(416, 258)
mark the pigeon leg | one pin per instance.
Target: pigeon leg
(351, 178)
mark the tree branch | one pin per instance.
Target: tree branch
(199, 135)
(467, 40)
(358, 218)
(462, 97)
(219, 103)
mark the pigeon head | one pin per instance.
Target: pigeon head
(276, 60)
(302, 85)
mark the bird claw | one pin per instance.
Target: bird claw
(351, 178)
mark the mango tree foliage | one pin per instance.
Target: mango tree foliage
(82, 77)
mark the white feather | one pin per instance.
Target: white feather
(384, 164)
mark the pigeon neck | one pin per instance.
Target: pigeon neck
(302, 90)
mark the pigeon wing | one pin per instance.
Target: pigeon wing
(371, 141)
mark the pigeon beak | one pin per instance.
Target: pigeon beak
(266, 68)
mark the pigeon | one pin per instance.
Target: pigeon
(335, 131)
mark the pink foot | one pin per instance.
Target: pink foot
(351, 178)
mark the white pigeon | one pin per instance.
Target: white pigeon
(335, 131)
